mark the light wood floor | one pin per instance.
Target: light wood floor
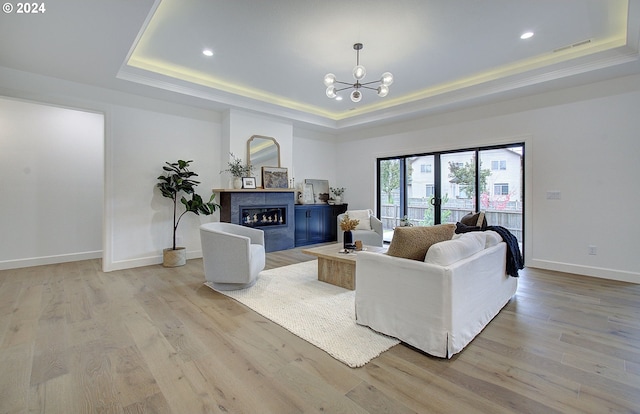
(76, 340)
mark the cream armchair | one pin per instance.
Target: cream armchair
(369, 229)
(233, 255)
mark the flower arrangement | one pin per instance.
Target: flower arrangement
(237, 168)
(347, 224)
(337, 191)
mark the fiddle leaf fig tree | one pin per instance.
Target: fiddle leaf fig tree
(178, 179)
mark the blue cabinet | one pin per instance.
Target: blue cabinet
(316, 223)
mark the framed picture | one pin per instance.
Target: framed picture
(275, 177)
(307, 194)
(248, 182)
(320, 190)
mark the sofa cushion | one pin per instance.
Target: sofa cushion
(492, 238)
(414, 242)
(448, 252)
(363, 217)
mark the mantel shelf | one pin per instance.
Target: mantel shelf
(254, 190)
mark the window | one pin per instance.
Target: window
(441, 187)
(429, 190)
(501, 189)
(425, 168)
(499, 165)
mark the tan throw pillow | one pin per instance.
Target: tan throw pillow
(413, 242)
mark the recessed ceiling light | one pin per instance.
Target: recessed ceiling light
(526, 35)
(207, 52)
(338, 98)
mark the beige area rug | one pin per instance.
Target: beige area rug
(317, 312)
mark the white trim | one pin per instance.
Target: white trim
(600, 272)
(47, 260)
(147, 261)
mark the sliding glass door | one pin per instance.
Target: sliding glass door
(435, 188)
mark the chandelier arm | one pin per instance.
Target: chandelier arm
(344, 83)
(369, 83)
(345, 88)
(368, 87)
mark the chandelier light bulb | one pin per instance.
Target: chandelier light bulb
(359, 72)
(329, 79)
(387, 78)
(356, 95)
(383, 90)
(331, 92)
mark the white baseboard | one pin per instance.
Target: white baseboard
(603, 273)
(144, 261)
(45, 260)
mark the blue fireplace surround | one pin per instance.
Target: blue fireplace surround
(280, 236)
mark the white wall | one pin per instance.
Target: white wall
(140, 135)
(314, 157)
(240, 126)
(51, 169)
(582, 142)
(138, 217)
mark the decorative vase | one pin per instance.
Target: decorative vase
(237, 183)
(347, 239)
(174, 258)
(338, 199)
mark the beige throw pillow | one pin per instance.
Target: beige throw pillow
(363, 217)
(413, 242)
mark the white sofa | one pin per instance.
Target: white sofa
(440, 304)
(232, 255)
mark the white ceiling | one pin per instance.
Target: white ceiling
(271, 56)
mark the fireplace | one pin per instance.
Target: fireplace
(263, 216)
(270, 210)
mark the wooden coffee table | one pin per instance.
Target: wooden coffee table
(338, 268)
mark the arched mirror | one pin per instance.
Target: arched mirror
(262, 152)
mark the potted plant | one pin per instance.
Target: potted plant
(237, 170)
(347, 225)
(337, 194)
(178, 179)
(405, 222)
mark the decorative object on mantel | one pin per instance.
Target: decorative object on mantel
(337, 194)
(249, 182)
(179, 180)
(237, 170)
(347, 225)
(275, 177)
(262, 151)
(359, 72)
(320, 190)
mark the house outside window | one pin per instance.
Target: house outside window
(499, 165)
(429, 190)
(501, 189)
(425, 168)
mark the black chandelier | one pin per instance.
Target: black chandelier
(359, 72)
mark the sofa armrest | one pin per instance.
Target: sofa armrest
(403, 298)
